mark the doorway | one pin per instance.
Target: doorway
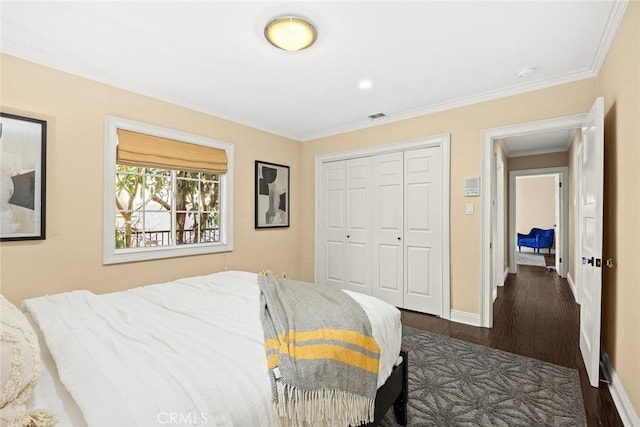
(549, 190)
(488, 196)
(590, 224)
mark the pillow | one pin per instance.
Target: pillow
(19, 369)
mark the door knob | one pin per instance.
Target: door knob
(348, 236)
(399, 238)
(609, 262)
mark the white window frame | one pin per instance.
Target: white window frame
(111, 255)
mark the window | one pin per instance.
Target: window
(167, 193)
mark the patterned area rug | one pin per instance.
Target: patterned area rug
(455, 383)
(524, 258)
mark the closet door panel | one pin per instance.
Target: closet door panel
(333, 224)
(423, 230)
(387, 230)
(358, 223)
(418, 278)
(335, 272)
(355, 273)
(388, 269)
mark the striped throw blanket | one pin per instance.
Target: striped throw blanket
(322, 357)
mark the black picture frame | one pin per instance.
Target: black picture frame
(23, 173)
(272, 195)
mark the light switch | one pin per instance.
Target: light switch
(469, 209)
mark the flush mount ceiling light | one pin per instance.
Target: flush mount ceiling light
(290, 33)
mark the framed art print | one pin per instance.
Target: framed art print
(23, 143)
(272, 195)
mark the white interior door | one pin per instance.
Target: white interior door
(333, 224)
(557, 223)
(358, 223)
(578, 225)
(388, 227)
(423, 230)
(591, 209)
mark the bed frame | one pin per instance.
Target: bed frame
(394, 392)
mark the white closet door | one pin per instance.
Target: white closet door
(358, 223)
(388, 284)
(423, 230)
(333, 223)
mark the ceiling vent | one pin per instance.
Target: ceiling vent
(377, 115)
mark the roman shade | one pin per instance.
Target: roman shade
(138, 149)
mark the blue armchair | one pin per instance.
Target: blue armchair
(536, 239)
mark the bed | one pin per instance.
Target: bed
(186, 352)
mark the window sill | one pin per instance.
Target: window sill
(119, 256)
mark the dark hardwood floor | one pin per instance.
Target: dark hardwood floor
(535, 315)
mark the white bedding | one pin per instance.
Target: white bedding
(188, 352)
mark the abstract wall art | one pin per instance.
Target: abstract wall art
(272, 195)
(23, 144)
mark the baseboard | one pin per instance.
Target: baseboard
(464, 317)
(495, 294)
(624, 406)
(506, 273)
(574, 289)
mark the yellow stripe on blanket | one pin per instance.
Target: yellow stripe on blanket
(334, 352)
(326, 351)
(351, 337)
(295, 344)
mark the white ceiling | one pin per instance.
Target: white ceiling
(422, 56)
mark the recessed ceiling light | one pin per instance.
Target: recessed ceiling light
(365, 84)
(526, 72)
(290, 33)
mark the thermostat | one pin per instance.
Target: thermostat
(472, 186)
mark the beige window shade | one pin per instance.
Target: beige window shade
(138, 149)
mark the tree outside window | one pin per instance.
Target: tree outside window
(161, 207)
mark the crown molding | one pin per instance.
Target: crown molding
(614, 19)
(69, 66)
(608, 34)
(457, 103)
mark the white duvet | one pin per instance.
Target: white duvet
(188, 352)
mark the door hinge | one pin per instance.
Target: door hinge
(560, 184)
(560, 259)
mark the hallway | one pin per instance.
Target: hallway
(535, 315)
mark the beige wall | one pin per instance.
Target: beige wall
(539, 161)
(71, 256)
(535, 202)
(465, 126)
(619, 83)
